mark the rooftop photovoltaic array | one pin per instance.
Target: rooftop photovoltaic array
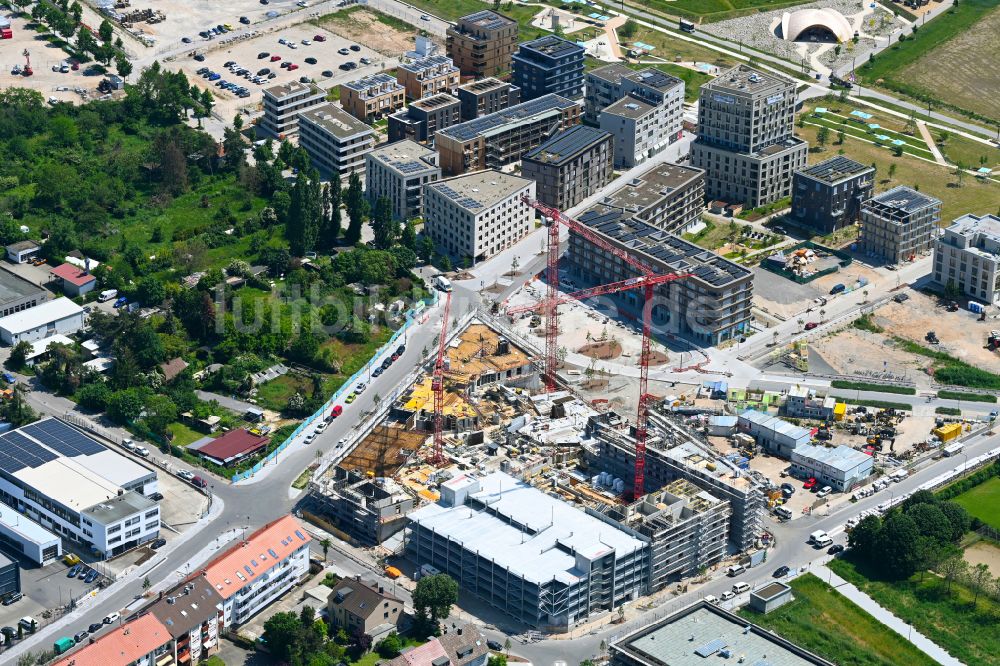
(63, 438)
(515, 114)
(487, 20)
(834, 169)
(18, 452)
(459, 198)
(567, 144)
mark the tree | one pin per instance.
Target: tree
(146, 584)
(953, 569)
(957, 517)
(325, 545)
(94, 396)
(390, 646)
(892, 170)
(304, 213)
(19, 355)
(305, 347)
(899, 546)
(979, 576)
(160, 412)
(425, 248)
(281, 634)
(384, 225)
(628, 29)
(105, 31)
(840, 137)
(822, 135)
(862, 539)
(435, 594)
(124, 406)
(361, 641)
(151, 291)
(123, 65)
(329, 227)
(408, 238)
(357, 209)
(497, 660)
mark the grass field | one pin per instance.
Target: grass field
(184, 435)
(823, 621)
(450, 10)
(970, 634)
(712, 10)
(974, 196)
(951, 59)
(669, 47)
(983, 502)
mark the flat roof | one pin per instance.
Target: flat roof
(553, 46)
(487, 20)
(479, 190)
(900, 198)
(290, 88)
(21, 246)
(655, 79)
(645, 193)
(248, 560)
(629, 107)
(835, 169)
(612, 73)
(673, 252)
(567, 144)
(550, 104)
(842, 458)
(696, 634)
(772, 590)
(483, 85)
(14, 287)
(746, 79)
(120, 507)
(987, 226)
(406, 156)
(68, 483)
(40, 315)
(13, 521)
(336, 121)
(381, 80)
(553, 531)
(430, 62)
(437, 101)
(39, 347)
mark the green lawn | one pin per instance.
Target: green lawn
(184, 435)
(823, 621)
(711, 10)
(983, 502)
(970, 634)
(673, 48)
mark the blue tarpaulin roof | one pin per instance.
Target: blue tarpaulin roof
(861, 114)
(898, 142)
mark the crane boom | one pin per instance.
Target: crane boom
(602, 290)
(437, 385)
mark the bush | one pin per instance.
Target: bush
(971, 397)
(883, 404)
(866, 323)
(969, 482)
(870, 386)
(948, 411)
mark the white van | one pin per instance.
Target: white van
(740, 588)
(735, 570)
(442, 283)
(107, 295)
(820, 539)
(783, 513)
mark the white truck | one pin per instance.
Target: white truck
(820, 539)
(107, 295)
(442, 283)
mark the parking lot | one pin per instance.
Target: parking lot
(325, 71)
(45, 590)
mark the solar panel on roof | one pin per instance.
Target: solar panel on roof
(63, 438)
(710, 648)
(28, 452)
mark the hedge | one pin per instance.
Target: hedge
(882, 404)
(948, 411)
(971, 397)
(869, 386)
(969, 482)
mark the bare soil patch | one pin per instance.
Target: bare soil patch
(658, 358)
(594, 384)
(604, 350)
(984, 552)
(365, 28)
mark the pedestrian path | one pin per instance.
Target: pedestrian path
(921, 642)
(925, 133)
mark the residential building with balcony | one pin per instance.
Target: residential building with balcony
(486, 96)
(746, 141)
(646, 119)
(143, 641)
(478, 214)
(428, 76)
(190, 612)
(372, 97)
(336, 141)
(481, 44)
(283, 103)
(399, 171)
(570, 166)
(603, 87)
(421, 120)
(549, 65)
(899, 224)
(967, 256)
(829, 195)
(501, 138)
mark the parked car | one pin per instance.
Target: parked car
(156, 497)
(824, 492)
(185, 474)
(360, 388)
(355, 48)
(837, 289)
(80, 635)
(158, 543)
(111, 618)
(834, 549)
(811, 325)
(377, 371)
(386, 363)
(336, 411)
(350, 398)
(344, 51)
(494, 645)
(91, 577)
(810, 483)
(244, 20)
(12, 598)
(328, 73)
(275, 58)
(199, 482)
(73, 571)
(306, 42)
(186, 40)
(311, 60)
(366, 61)
(292, 67)
(781, 572)
(142, 451)
(199, 57)
(95, 626)
(727, 595)
(319, 38)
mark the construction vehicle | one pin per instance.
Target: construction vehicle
(27, 71)
(932, 338)
(993, 341)
(5, 31)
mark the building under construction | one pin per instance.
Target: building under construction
(369, 510)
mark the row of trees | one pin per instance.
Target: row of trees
(65, 19)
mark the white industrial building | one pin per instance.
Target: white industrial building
(59, 316)
(967, 257)
(841, 468)
(774, 435)
(803, 403)
(534, 557)
(21, 535)
(259, 570)
(78, 488)
(479, 214)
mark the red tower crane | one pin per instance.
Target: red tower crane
(437, 386)
(647, 280)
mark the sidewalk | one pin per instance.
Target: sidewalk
(905, 630)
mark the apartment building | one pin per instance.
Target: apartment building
(283, 103)
(478, 214)
(74, 486)
(367, 510)
(669, 197)
(570, 166)
(899, 224)
(336, 141)
(372, 97)
(613, 451)
(423, 118)
(549, 65)
(603, 87)
(486, 96)
(428, 76)
(399, 171)
(356, 605)
(828, 196)
(259, 570)
(481, 44)
(746, 142)
(533, 557)
(501, 138)
(143, 641)
(686, 529)
(190, 612)
(646, 119)
(967, 256)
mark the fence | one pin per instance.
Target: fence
(345, 387)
